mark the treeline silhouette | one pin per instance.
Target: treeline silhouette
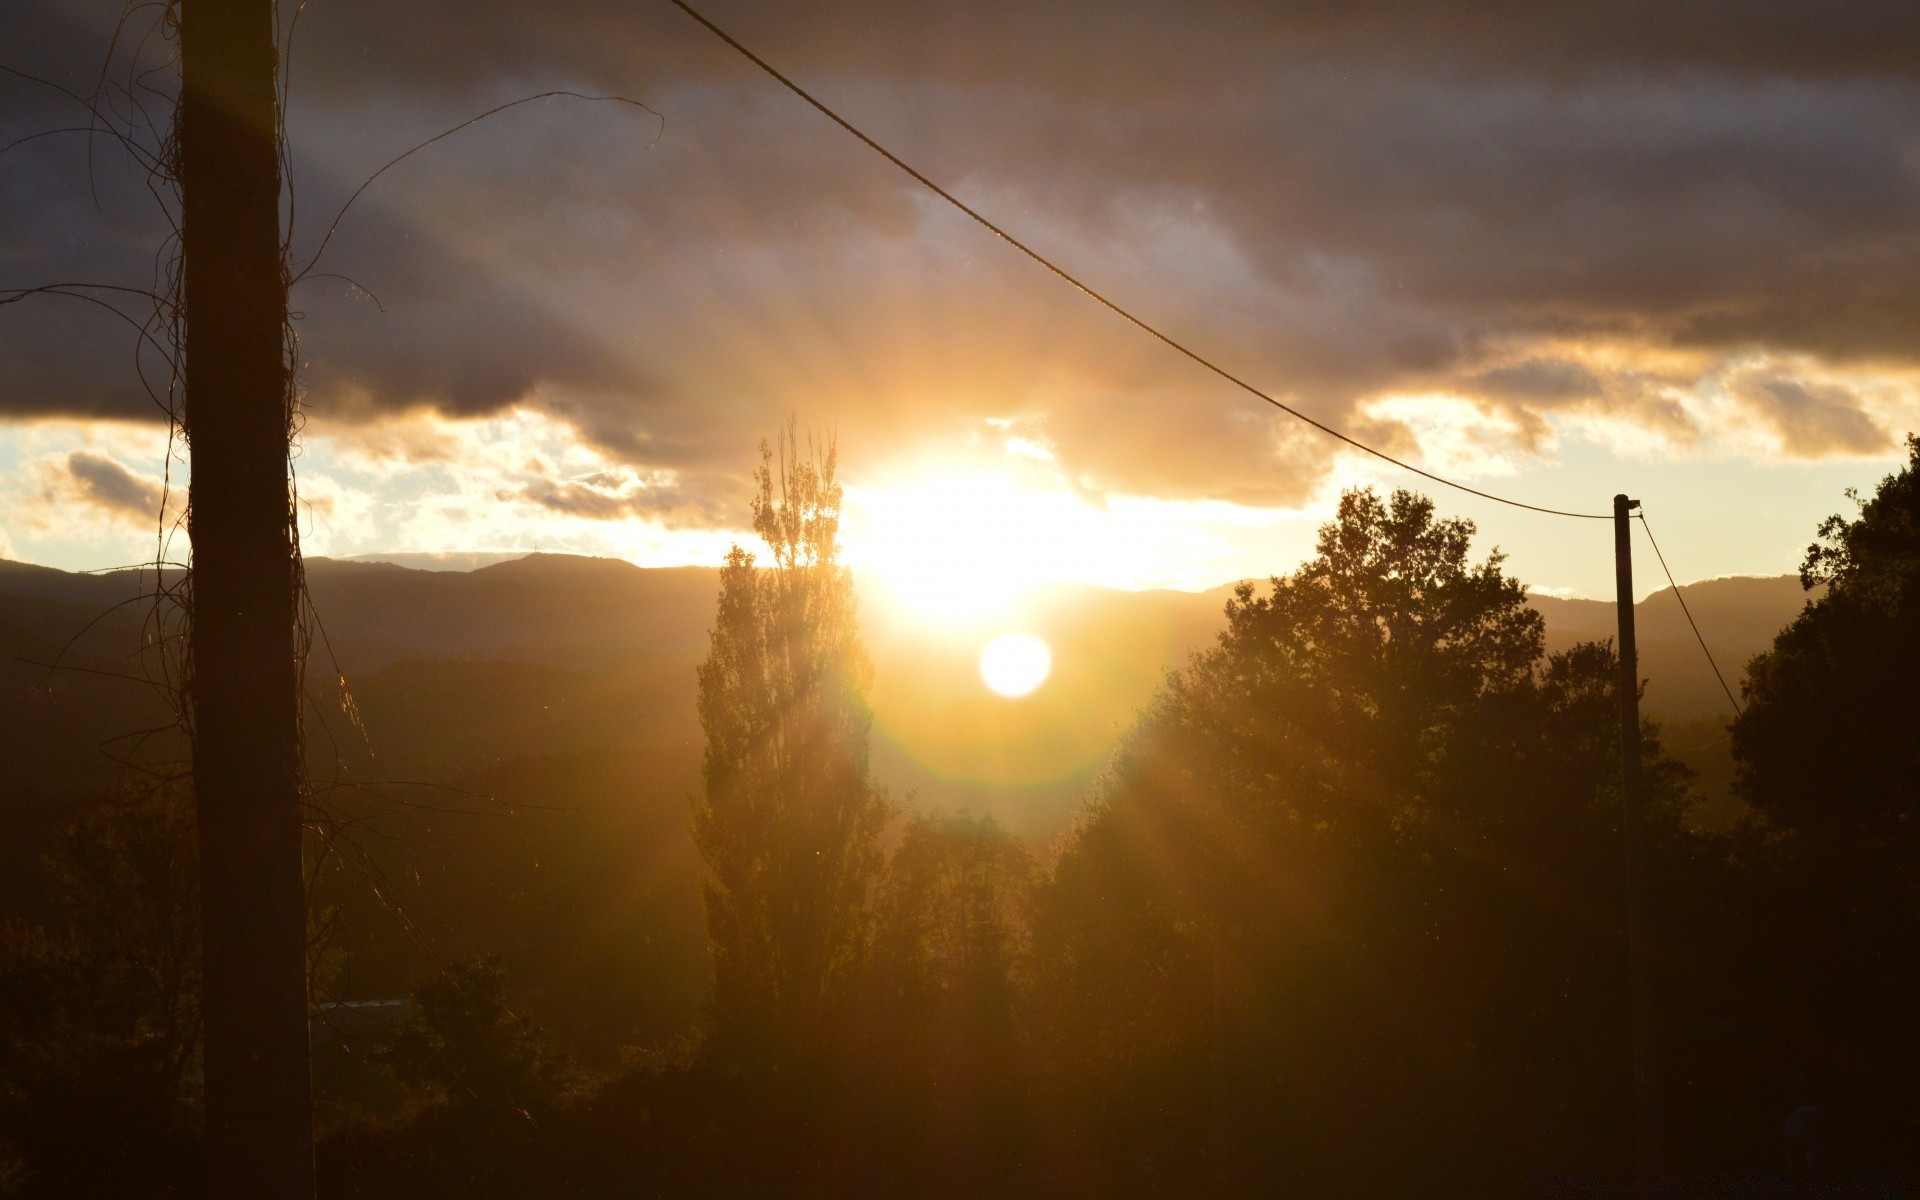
(1343, 917)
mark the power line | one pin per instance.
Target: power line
(1648, 529)
(1183, 349)
(1110, 305)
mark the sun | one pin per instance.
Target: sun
(960, 552)
(1014, 664)
(957, 549)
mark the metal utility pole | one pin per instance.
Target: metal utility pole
(246, 755)
(1646, 1083)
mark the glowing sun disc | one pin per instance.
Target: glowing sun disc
(1014, 664)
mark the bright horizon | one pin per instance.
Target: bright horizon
(956, 539)
(568, 328)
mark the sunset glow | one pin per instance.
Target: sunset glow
(962, 548)
(1014, 664)
(916, 599)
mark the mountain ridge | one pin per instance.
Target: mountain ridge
(516, 745)
(453, 672)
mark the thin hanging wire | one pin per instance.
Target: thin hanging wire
(1662, 559)
(1110, 305)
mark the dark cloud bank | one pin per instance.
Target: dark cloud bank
(1338, 199)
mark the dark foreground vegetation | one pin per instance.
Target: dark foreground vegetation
(1341, 918)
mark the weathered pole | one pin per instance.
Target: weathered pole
(246, 757)
(1646, 1084)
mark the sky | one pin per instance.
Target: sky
(1555, 251)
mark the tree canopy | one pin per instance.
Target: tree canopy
(1826, 748)
(789, 818)
(1371, 838)
(1827, 753)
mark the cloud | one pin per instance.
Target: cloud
(520, 480)
(617, 494)
(1570, 218)
(1811, 420)
(89, 493)
(1136, 46)
(114, 486)
(1453, 434)
(1542, 381)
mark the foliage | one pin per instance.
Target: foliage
(1826, 753)
(1343, 913)
(954, 916)
(949, 963)
(1369, 839)
(488, 1100)
(99, 1013)
(1825, 747)
(1878, 552)
(463, 1047)
(789, 818)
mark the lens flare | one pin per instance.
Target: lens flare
(1014, 664)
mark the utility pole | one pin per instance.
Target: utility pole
(243, 689)
(1646, 1083)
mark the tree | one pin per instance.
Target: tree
(1348, 898)
(789, 819)
(99, 1009)
(1826, 747)
(1827, 752)
(462, 1047)
(954, 921)
(491, 1109)
(950, 954)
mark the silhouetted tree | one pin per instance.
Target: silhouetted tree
(490, 1105)
(1828, 754)
(99, 1009)
(954, 918)
(1345, 908)
(463, 1047)
(1827, 745)
(948, 970)
(789, 819)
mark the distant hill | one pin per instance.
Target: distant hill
(514, 767)
(1738, 617)
(454, 671)
(439, 560)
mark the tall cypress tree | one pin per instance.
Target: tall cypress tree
(789, 818)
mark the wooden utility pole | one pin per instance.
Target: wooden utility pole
(1646, 1083)
(243, 690)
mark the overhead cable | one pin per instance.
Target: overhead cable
(1110, 305)
(1648, 529)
